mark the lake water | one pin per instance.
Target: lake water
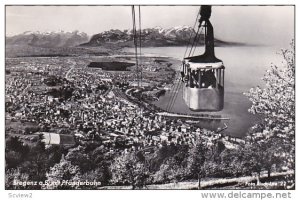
(244, 68)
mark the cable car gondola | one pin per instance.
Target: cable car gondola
(203, 75)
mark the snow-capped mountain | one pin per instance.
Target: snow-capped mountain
(157, 36)
(175, 36)
(48, 39)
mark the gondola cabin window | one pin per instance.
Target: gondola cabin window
(205, 78)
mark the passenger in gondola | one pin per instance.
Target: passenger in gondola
(208, 79)
(192, 79)
(182, 76)
(186, 80)
(196, 78)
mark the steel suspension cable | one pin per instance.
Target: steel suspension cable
(198, 15)
(193, 48)
(140, 27)
(173, 100)
(177, 86)
(194, 41)
(197, 41)
(135, 42)
(172, 89)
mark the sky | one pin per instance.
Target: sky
(266, 25)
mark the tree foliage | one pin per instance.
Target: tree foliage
(12, 176)
(274, 137)
(276, 102)
(127, 169)
(62, 171)
(15, 151)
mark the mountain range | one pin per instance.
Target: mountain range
(48, 39)
(151, 37)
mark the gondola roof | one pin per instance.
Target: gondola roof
(204, 58)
